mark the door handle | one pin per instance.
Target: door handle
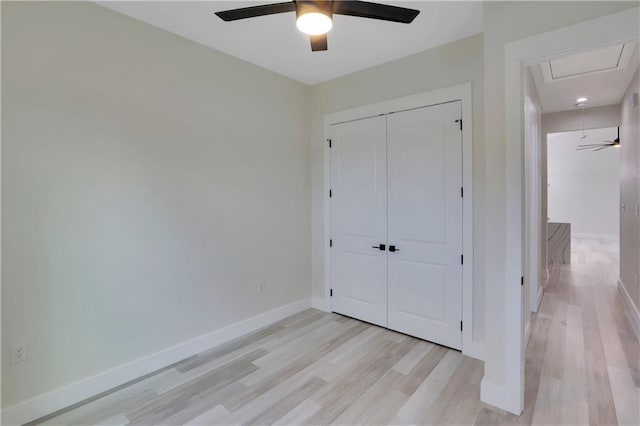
(380, 247)
(393, 249)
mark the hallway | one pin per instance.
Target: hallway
(583, 360)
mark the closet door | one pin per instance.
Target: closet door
(425, 223)
(359, 219)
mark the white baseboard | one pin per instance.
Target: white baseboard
(499, 396)
(630, 308)
(321, 303)
(527, 331)
(65, 396)
(545, 275)
(539, 297)
(596, 236)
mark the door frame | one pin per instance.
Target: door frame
(462, 93)
(533, 210)
(605, 31)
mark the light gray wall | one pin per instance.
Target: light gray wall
(148, 184)
(444, 66)
(630, 192)
(591, 118)
(505, 22)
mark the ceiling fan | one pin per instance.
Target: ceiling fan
(315, 17)
(600, 146)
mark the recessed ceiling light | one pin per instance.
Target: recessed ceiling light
(581, 100)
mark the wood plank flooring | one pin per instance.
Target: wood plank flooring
(582, 367)
(582, 358)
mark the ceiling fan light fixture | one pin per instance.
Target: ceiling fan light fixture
(600, 146)
(581, 100)
(314, 23)
(315, 17)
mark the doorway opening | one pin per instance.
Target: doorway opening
(580, 141)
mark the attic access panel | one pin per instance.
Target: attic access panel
(594, 61)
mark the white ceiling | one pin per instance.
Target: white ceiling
(601, 75)
(273, 42)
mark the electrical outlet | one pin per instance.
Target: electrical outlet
(18, 352)
(261, 286)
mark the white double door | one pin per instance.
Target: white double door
(396, 221)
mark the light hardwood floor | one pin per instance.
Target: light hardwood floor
(318, 368)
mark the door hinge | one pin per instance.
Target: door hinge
(521, 281)
(462, 259)
(460, 122)
(331, 293)
(330, 194)
(461, 192)
(460, 326)
(330, 243)
(329, 140)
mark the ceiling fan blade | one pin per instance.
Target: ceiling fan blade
(254, 11)
(591, 145)
(365, 9)
(585, 148)
(318, 42)
(600, 149)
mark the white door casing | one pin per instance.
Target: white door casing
(359, 219)
(424, 164)
(532, 209)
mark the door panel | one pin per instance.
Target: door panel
(359, 219)
(421, 288)
(425, 223)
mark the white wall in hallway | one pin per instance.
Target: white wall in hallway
(584, 186)
(577, 119)
(630, 195)
(567, 121)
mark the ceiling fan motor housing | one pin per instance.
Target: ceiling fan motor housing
(324, 7)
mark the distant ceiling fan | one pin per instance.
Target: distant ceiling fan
(600, 146)
(315, 17)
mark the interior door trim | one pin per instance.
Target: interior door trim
(397, 111)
